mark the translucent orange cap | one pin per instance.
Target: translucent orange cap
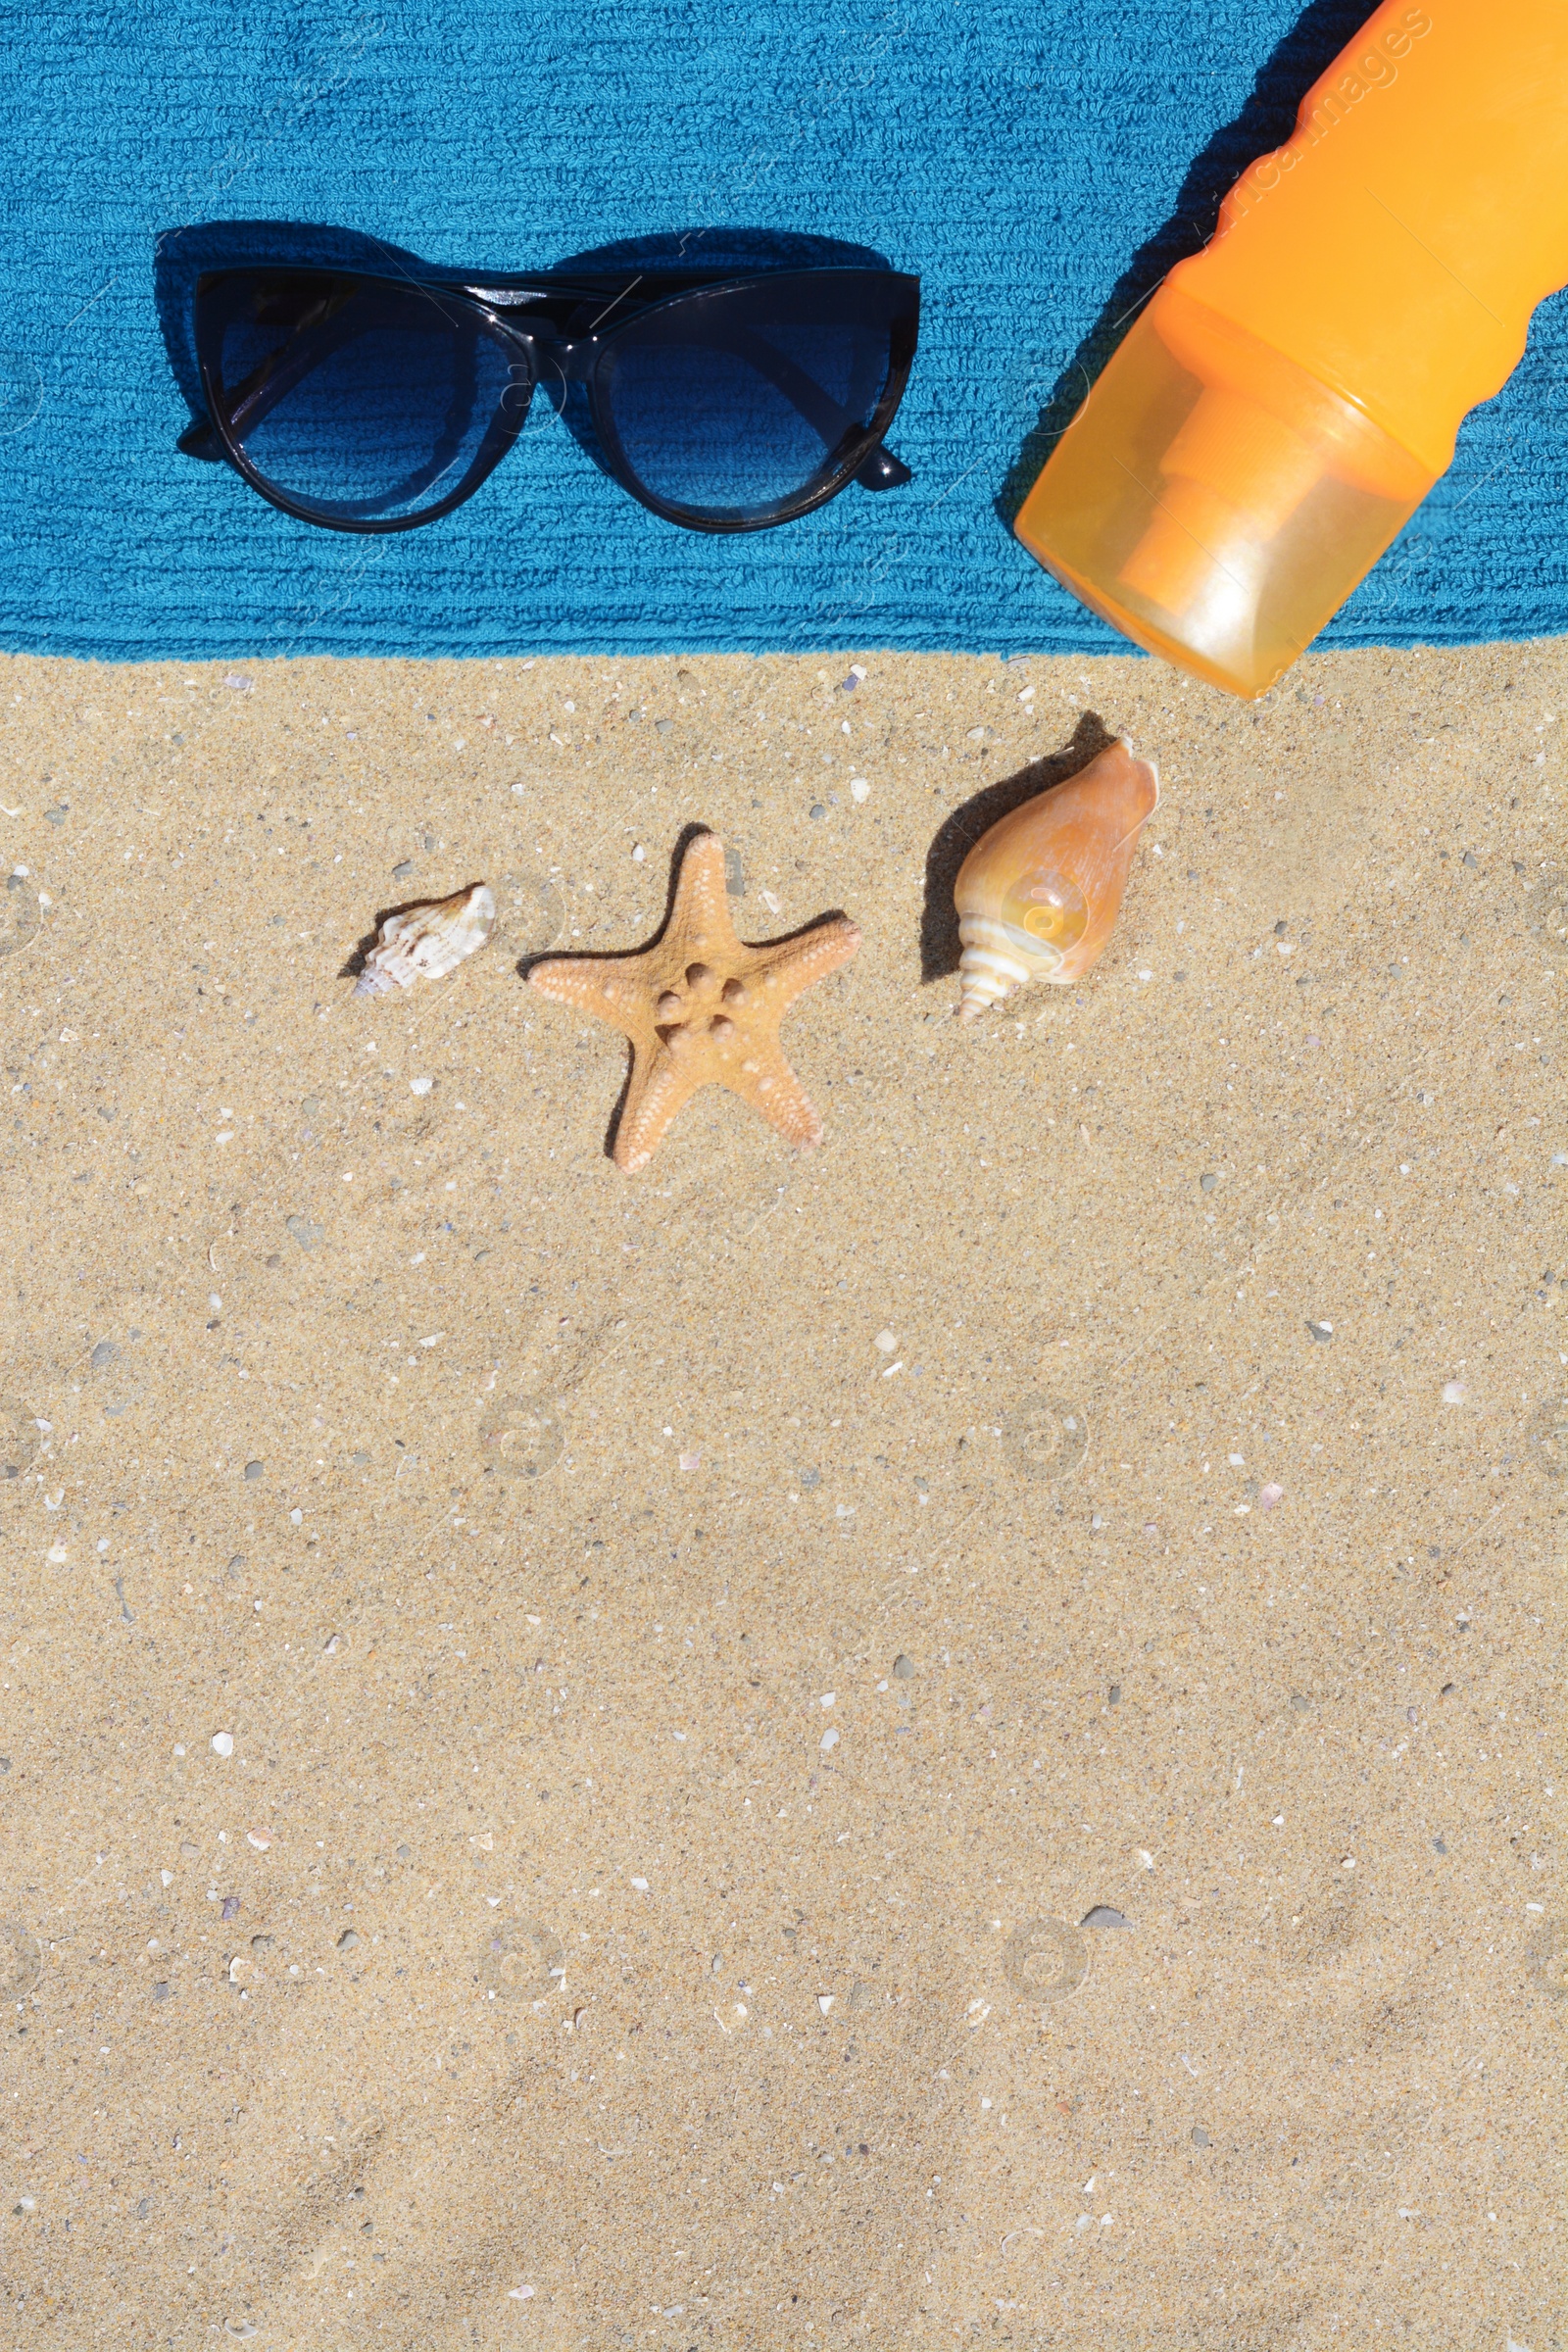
(1214, 501)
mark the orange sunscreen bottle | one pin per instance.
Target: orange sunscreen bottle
(1291, 394)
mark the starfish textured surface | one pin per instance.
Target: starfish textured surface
(701, 1008)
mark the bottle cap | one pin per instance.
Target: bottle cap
(1213, 500)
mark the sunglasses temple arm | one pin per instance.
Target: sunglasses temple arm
(259, 395)
(200, 440)
(882, 470)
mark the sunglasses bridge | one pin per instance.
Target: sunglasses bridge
(572, 359)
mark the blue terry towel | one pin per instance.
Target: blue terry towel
(1038, 162)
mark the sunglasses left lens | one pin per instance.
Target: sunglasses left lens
(360, 400)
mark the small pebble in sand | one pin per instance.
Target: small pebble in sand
(1102, 1916)
(420, 1086)
(237, 683)
(253, 1471)
(829, 1739)
(1199, 2136)
(232, 1906)
(223, 1744)
(903, 1667)
(260, 1839)
(348, 1941)
(1270, 1496)
(824, 2001)
(859, 791)
(1206, 1183)
(886, 1341)
(1320, 1331)
(1453, 1392)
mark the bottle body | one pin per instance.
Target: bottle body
(1289, 395)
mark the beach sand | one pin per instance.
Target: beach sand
(561, 1731)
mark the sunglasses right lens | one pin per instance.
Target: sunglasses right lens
(359, 399)
(733, 404)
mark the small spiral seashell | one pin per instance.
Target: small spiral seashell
(426, 941)
(1038, 895)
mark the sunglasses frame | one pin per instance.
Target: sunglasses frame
(569, 369)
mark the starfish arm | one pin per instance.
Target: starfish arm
(789, 968)
(658, 1087)
(604, 985)
(773, 1088)
(701, 899)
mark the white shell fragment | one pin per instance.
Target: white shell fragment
(429, 941)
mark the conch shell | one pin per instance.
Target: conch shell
(426, 941)
(1038, 895)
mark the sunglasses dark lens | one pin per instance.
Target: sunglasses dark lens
(357, 397)
(731, 405)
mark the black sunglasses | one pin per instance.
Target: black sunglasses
(723, 403)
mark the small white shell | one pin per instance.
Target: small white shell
(426, 941)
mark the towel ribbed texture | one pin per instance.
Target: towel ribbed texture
(1017, 155)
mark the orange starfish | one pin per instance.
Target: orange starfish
(701, 1008)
